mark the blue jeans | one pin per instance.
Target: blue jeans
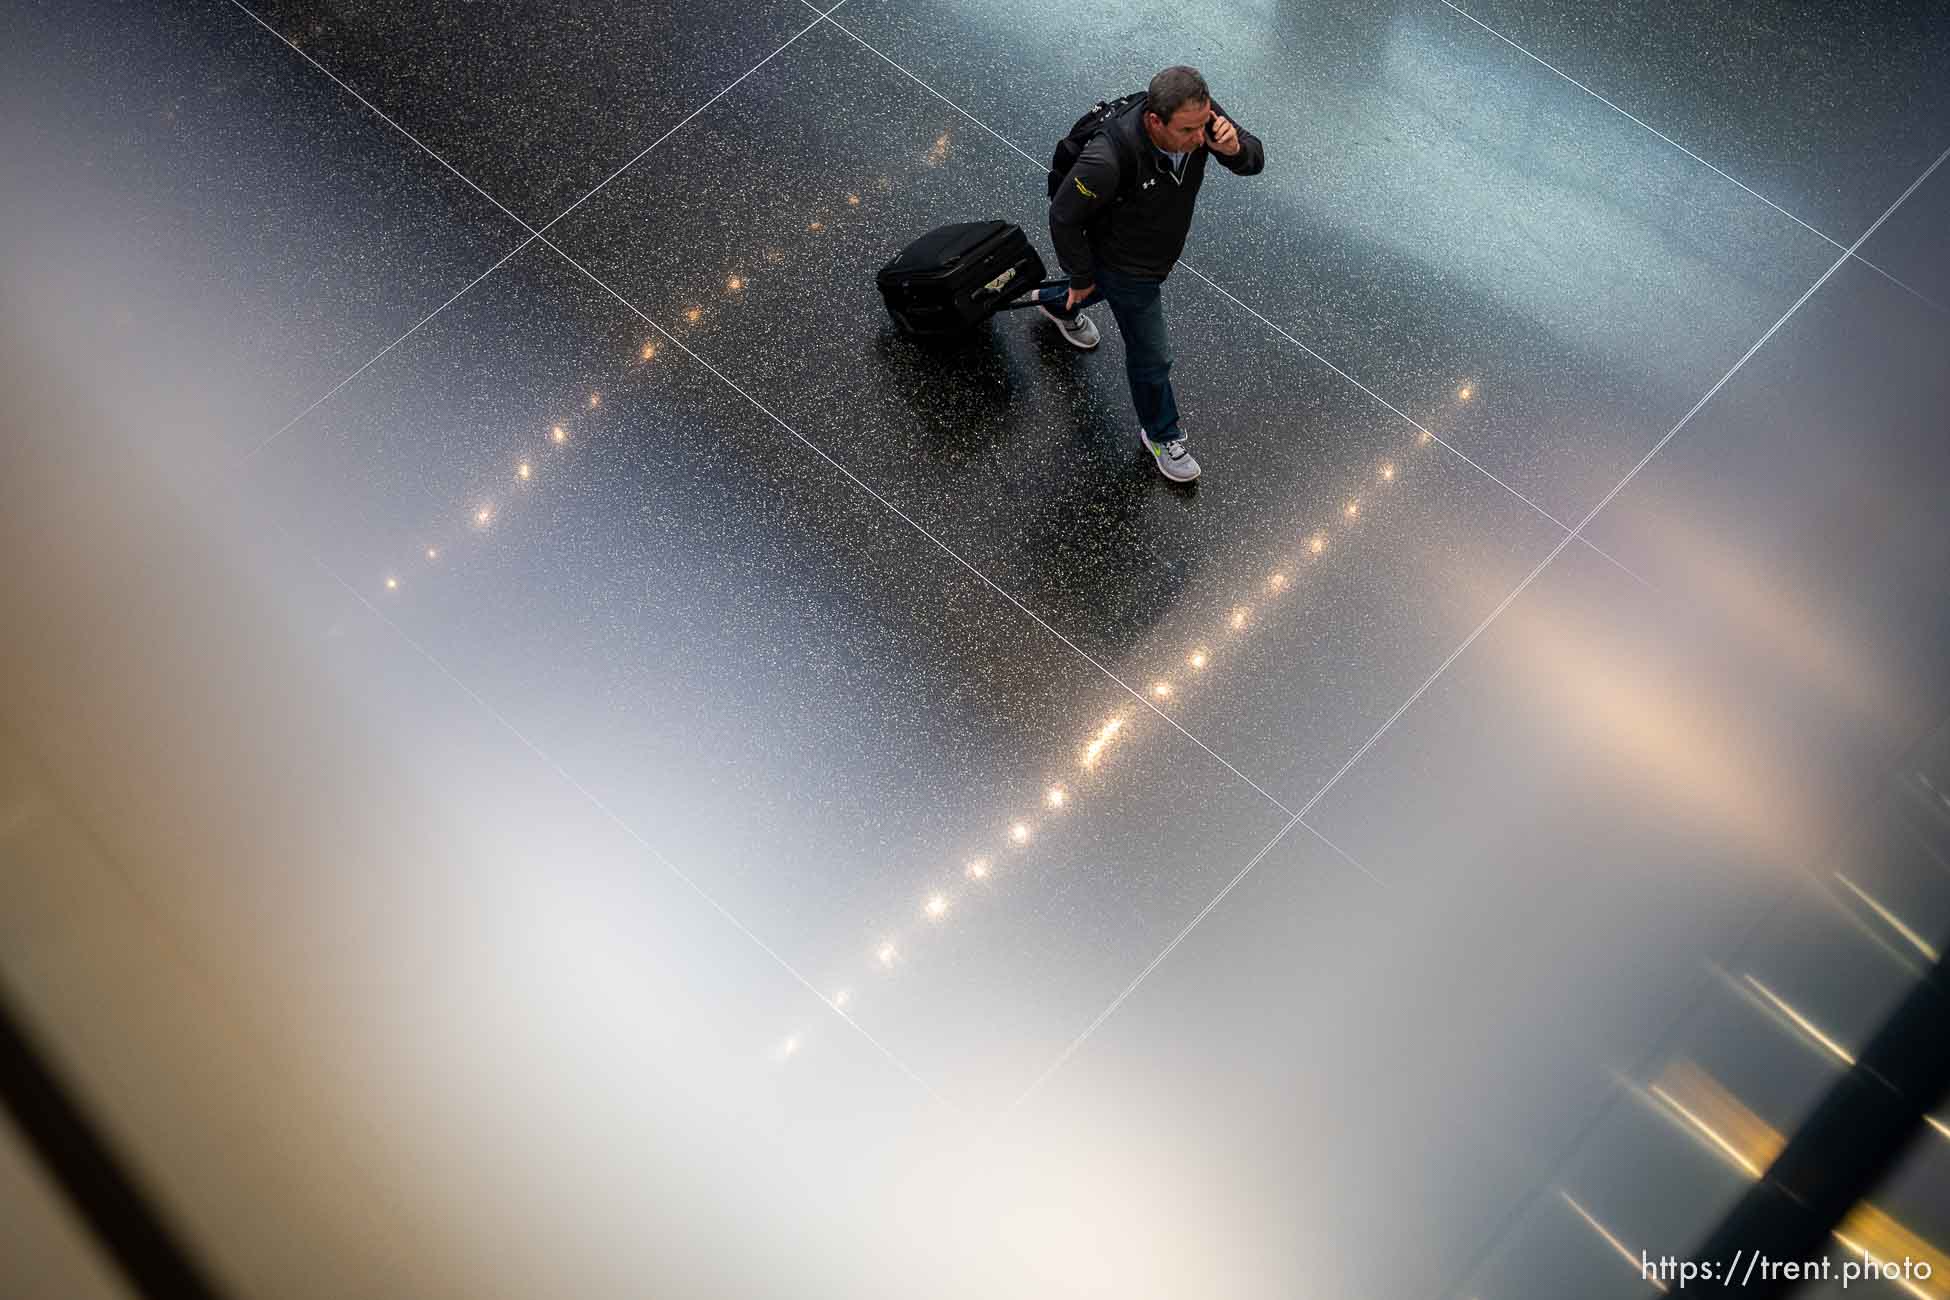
(1139, 308)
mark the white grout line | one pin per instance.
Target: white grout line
(1433, 435)
(1043, 168)
(1131, 988)
(338, 387)
(1345, 856)
(1118, 1001)
(1482, 627)
(533, 233)
(1848, 255)
(680, 126)
(1690, 154)
(246, 10)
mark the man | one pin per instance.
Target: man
(1119, 221)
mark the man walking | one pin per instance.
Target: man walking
(1119, 220)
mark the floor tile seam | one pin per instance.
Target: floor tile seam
(532, 232)
(1724, 175)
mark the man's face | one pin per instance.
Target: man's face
(1186, 129)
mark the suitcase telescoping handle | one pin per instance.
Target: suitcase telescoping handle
(1038, 295)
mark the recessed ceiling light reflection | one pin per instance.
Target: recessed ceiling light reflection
(392, 584)
(734, 284)
(1019, 833)
(887, 954)
(649, 352)
(595, 400)
(840, 1000)
(694, 315)
(1317, 543)
(1425, 437)
(433, 552)
(1277, 582)
(1056, 797)
(978, 869)
(1092, 752)
(524, 470)
(1465, 392)
(1387, 471)
(1352, 509)
(484, 516)
(1802, 1023)
(815, 225)
(788, 1047)
(1198, 659)
(559, 434)
(937, 907)
(1161, 689)
(1239, 617)
(1111, 728)
(1890, 918)
(853, 200)
(1678, 1108)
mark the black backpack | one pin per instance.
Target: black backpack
(1070, 147)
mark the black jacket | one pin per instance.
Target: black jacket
(1134, 223)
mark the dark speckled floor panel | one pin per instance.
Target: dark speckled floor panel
(537, 103)
(1827, 110)
(867, 832)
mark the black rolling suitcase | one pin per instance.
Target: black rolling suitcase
(955, 277)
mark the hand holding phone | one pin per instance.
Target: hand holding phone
(1222, 135)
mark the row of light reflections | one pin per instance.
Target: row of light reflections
(548, 457)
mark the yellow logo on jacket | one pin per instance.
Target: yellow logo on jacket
(1082, 188)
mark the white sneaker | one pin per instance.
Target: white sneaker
(1174, 458)
(1079, 331)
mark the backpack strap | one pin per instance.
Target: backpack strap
(1088, 127)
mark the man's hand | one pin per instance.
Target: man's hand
(1223, 136)
(1074, 297)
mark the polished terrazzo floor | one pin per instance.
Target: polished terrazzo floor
(586, 763)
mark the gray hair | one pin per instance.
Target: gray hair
(1174, 88)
